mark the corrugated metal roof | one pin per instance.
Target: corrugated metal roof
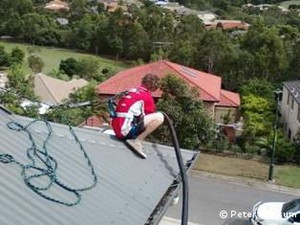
(128, 188)
(294, 89)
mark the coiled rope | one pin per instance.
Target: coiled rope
(48, 168)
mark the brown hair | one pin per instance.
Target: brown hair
(150, 81)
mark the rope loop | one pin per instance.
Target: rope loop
(42, 164)
(6, 158)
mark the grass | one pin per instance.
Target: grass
(53, 56)
(286, 175)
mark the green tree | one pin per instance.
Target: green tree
(284, 149)
(78, 9)
(40, 29)
(70, 66)
(267, 47)
(36, 63)
(16, 56)
(192, 123)
(273, 16)
(76, 116)
(260, 88)
(257, 114)
(89, 69)
(294, 68)
(183, 52)
(20, 87)
(9, 8)
(13, 26)
(82, 33)
(136, 42)
(99, 41)
(4, 57)
(211, 49)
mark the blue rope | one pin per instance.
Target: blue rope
(49, 165)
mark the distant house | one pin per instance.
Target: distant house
(62, 21)
(263, 7)
(205, 16)
(53, 91)
(290, 108)
(113, 5)
(57, 5)
(217, 101)
(228, 25)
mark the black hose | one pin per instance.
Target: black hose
(185, 189)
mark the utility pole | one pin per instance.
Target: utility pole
(271, 168)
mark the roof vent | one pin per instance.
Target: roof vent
(296, 95)
(293, 89)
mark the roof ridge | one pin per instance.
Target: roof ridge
(167, 62)
(40, 75)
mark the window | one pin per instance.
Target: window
(297, 218)
(298, 114)
(288, 99)
(293, 103)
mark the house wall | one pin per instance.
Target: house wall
(221, 112)
(210, 108)
(290, 114)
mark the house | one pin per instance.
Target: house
(62, 21)
(264, 7)
(123, 188)
(228, 25)
(57, 5)
(54, 91)
(205, 16)
(113, 5)
(217, 101)
(290, 108)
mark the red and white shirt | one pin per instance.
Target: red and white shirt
(138, 102)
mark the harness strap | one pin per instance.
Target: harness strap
(124, 115)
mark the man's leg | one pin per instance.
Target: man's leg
(151, 122)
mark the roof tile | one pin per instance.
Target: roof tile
(209, 85)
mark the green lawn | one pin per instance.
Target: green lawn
(285, 175)
(53, 56)
(288, 176)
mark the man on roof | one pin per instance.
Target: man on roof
(136, 115)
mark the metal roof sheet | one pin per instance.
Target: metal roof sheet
(294, 89)
(128, 188)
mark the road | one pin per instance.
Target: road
(212, 198)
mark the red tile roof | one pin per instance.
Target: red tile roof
(209, 85)
(229, 99)
(229, 24)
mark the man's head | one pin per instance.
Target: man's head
(150, 81)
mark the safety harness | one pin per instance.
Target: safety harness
(112, 105)
(137, 122)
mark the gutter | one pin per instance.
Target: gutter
(172, 192)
